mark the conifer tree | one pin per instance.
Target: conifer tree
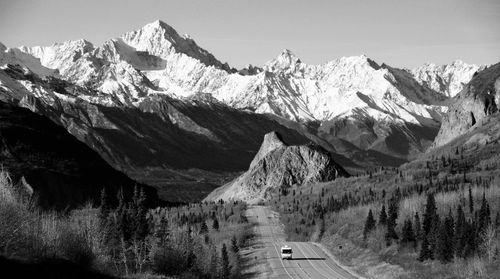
(444, 246)
(471, 201)
(122, 220)
(417, 227)
(322, 226)
(407, 233)
(434, 235)
(215, 224)
(203, 228)
(369, 224)
(425, 251)
(484, 215)
(103, 208)
(460, 232)
(393, 208)
(429, 214)
(213, 262)
(138, 214)
(234, 245)
(471, 237)
(225, 267)
(391, 221)
(382, 220)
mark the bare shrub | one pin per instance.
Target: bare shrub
(489, 244)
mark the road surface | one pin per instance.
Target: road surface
(309, 259)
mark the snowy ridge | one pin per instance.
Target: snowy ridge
(350, 105)
(449, 79)
(155, 59)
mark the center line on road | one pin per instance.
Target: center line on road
(312, 265)
(335, 271)
(274, 245)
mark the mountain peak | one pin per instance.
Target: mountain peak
(273, 138)
(278, 165)
(287, 52)
(162, 40)
(160, 25)
(272, 141)
(286, 60)
(288, 55)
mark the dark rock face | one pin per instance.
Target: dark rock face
(479, 99)
(62, 171)
(279, 165)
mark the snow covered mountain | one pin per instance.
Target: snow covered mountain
(447, 79)
(155, 59)
(370, 113)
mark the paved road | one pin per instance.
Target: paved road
(309, 259)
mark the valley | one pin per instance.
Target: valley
(309, 259)
(158, 107)
(143, 155)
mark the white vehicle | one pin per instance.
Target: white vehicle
(286, 253)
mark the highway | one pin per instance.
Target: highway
(309, 259)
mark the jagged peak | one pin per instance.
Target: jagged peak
(362, 60)
(166, 30)
(161, 26)
(79, 43)
(272, 141)
(285, 60)
(2, 47)
(162, 40)
(455, 63)
(288, 55)
(273, 138)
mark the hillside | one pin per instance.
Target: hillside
(475, 102)
(359, 108)
(453, 183)
(53, 166)
(160, 108)
(277, 166)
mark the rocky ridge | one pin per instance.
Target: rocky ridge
(479, 99)
(278, 165)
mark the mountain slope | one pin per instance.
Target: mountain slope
(61, 171)
(479, 99)
(158, 58)
(160, 136)
(382, 101)
(278, 165)
(157, 106)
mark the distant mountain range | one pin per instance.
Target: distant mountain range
(157, 106)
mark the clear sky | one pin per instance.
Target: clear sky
(401, 33)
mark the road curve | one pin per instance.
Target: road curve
(309, 260)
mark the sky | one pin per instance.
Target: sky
(401, 33)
